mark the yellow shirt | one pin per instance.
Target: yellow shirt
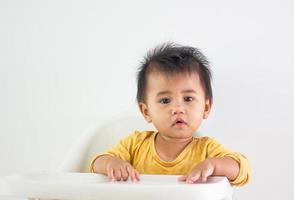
(138, 149)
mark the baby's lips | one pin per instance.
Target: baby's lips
(179, 120)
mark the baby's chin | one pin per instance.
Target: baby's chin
(177, 137)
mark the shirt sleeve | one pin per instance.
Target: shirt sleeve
(215, 149)
(122, 150)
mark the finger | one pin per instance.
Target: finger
(206, 173)
(193, 177)
(124, 174)
(131, 172)
(110, 174)
(137, 175)
(182, 178)
(117, 174)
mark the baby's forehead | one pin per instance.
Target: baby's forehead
(176, 85)
(173, 82)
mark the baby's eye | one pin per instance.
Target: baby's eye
(188, 99)
(164, 101)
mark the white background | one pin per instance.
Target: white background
(66, 65)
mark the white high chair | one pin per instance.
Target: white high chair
(69, 183)
(97, 140)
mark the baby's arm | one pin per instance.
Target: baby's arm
(220, 161)
(115, 168)
(223, 166)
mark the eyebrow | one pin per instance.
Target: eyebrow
(189, 91)
(169, 92)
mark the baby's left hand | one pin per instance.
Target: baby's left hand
(200, 171)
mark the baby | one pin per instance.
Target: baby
(174, 93)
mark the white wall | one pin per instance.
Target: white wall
(66, 65)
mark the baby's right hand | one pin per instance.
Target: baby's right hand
(118, 170)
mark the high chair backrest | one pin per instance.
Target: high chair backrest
(101, 138)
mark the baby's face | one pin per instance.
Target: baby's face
(175, 104)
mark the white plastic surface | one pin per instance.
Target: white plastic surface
(100, 138)
(88, 186)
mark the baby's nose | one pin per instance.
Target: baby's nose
(178, 109)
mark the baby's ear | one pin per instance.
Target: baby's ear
(207, 108)
(144, 110)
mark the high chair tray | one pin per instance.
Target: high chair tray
(88, 186)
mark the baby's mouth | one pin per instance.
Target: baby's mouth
(179, 122)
